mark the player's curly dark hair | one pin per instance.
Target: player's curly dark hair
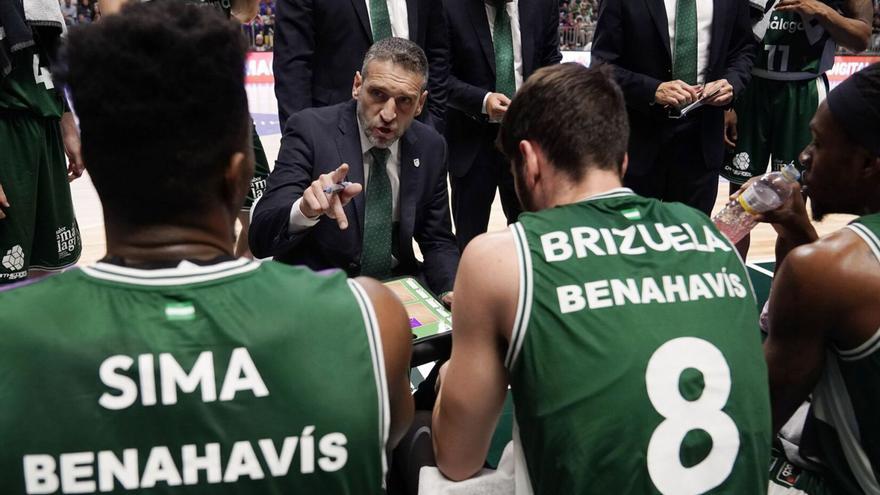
(159, 91)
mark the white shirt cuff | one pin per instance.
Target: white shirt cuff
(485, 99)
(298, 221)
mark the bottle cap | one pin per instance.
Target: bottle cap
(790, 172)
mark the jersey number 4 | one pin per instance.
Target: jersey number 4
(42, 74)
(681, 416)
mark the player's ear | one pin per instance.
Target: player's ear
(532, 162)
(624, 165)
(356, 86)
(422, 98)
(237, 178)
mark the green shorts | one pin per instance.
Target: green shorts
(788, 479)
(261, 171)
(773, 125)
(40, 230)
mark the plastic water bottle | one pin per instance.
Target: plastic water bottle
(737, 218)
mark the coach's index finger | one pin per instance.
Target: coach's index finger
(336, 204)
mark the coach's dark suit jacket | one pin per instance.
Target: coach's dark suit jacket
(316, 141)
(320, 44)
(633, 35)
(472, 70)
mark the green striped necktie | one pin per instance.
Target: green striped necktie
(380, 21)
(505, 81)
(376, 252)
(684, 55)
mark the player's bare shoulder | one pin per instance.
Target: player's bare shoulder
(839, 277)
(489, 273)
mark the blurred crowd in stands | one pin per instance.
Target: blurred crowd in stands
(261, 31)
(875, 41)
(577, 22)
(78, 11)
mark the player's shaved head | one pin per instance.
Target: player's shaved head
(159, 91)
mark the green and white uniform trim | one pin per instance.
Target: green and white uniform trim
(377, 353)
(524, 300)
(184, 274)
(833, 405)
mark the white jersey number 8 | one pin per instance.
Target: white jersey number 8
(682, 416)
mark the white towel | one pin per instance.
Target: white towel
(489, 482)
(44, 13)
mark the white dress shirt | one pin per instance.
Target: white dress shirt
(299, 222)
(704, 33)
(513, 13)
(397, 14)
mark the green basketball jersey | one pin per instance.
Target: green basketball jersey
(846, 401)
(237, 377)
(793, 47)
(29, 87)
(635, 360)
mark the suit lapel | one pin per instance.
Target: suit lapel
(409, 185)
(348, 143)
(658, 12)
(481, 27)
(360, 6)
(412, 18)
(527, 35)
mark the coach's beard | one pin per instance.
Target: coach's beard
(369, 132)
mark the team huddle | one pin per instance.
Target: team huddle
(625, 328)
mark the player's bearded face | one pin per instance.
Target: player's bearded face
(389, 98)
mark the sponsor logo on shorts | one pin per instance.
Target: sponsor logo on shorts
(13, 261)
(739, 166)
(788, 474)
(66, 240)
(741, 161)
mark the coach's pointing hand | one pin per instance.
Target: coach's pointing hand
(315, 202)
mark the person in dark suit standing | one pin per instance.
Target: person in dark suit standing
(390, 172)
(494, 46)
(319, 44)
(668, 54)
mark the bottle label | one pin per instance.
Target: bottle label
(745, 203)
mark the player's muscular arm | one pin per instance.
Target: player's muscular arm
(824, 293)
(851, 29)
(474, 385)
(795, 347)
(397, 350)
